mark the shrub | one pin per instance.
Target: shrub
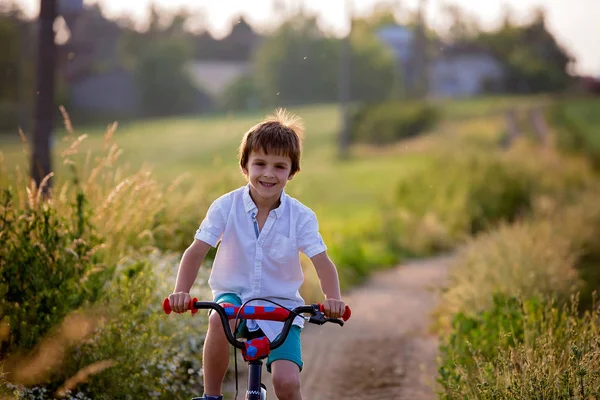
(522, 349)
(46, 268)
(522, 260)
(385, 123)
(462, 193)
(242, 95)
(576, 123)
(9, 116)
(358, 251)
(81, 305)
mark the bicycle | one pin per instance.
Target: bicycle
(257, 349)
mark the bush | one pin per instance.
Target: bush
(46, 269)
(358, 251)
(9, 117)
(82, 291)
(522, 349)
(465, 192)
(385, 123)
(576, 125)
(522, 260)
(242, 95)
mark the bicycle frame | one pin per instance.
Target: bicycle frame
(256, 350)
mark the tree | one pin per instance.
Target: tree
(534, 60)
(300, 64)
(17, 64)
(164, 86)
(374, 76)
(463, 27)
(158, 57)
(297, 64)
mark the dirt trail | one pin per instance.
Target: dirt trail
(373, 357)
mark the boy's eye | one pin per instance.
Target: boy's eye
(281, 167)
(259, 163)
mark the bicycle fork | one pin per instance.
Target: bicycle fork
(256, 390)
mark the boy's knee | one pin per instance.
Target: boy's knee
(286, 386)
(214, 320)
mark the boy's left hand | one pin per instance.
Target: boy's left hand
(334, 308)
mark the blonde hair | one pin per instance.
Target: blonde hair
(280, 133)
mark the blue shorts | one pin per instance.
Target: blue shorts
(290, 350)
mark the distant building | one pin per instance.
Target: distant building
(400, 40)
(458, 70)
(98, 83)
(214, 77)
(464, 71)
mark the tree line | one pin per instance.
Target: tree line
(297, 62)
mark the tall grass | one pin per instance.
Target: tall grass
(518, 315)
(82, 288)
(523, 349)
(576, 122)
(466, 190)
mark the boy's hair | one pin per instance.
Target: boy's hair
(280, 134)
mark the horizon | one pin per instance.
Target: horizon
(573, 27)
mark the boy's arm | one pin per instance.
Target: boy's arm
(328, 276)
(186, 275)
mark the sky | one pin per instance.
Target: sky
(575, 23)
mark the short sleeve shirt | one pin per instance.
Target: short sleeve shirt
(266, 263)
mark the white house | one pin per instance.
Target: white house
(456, 70)
(214, 77)
(464, 71)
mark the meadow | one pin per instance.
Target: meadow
(128, 200)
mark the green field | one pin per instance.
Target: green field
(205, 149)
(342, 192)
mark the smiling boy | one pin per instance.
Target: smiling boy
(261, 231)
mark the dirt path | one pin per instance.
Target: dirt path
(375, 357)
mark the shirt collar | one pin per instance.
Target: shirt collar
(250, 206)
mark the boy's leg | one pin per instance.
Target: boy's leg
(286, 380)
(285, 364)
(215, 356)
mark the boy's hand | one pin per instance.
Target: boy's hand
(180, 301)
(334, 308)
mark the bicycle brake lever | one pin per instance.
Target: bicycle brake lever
(320, 319)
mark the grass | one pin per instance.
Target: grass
(205, 148)
(585, 113)
(493, 105)
(352, 198)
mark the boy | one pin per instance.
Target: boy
(261, 230)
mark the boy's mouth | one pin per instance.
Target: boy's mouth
(266, 184)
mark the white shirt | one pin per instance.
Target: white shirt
(266, 263)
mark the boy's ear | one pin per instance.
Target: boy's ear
(290, 177)
(244, 170)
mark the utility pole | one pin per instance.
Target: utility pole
(22, 84)
(44, 97)
(344, 85)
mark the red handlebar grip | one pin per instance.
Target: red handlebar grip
(167, 306)
(194, 310)
(345, 317)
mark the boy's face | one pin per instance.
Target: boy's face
(267, 174)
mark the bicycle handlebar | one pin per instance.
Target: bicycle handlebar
(268, 313)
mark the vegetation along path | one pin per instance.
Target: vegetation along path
(385, 351)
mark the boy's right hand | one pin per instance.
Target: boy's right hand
(180, 302)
